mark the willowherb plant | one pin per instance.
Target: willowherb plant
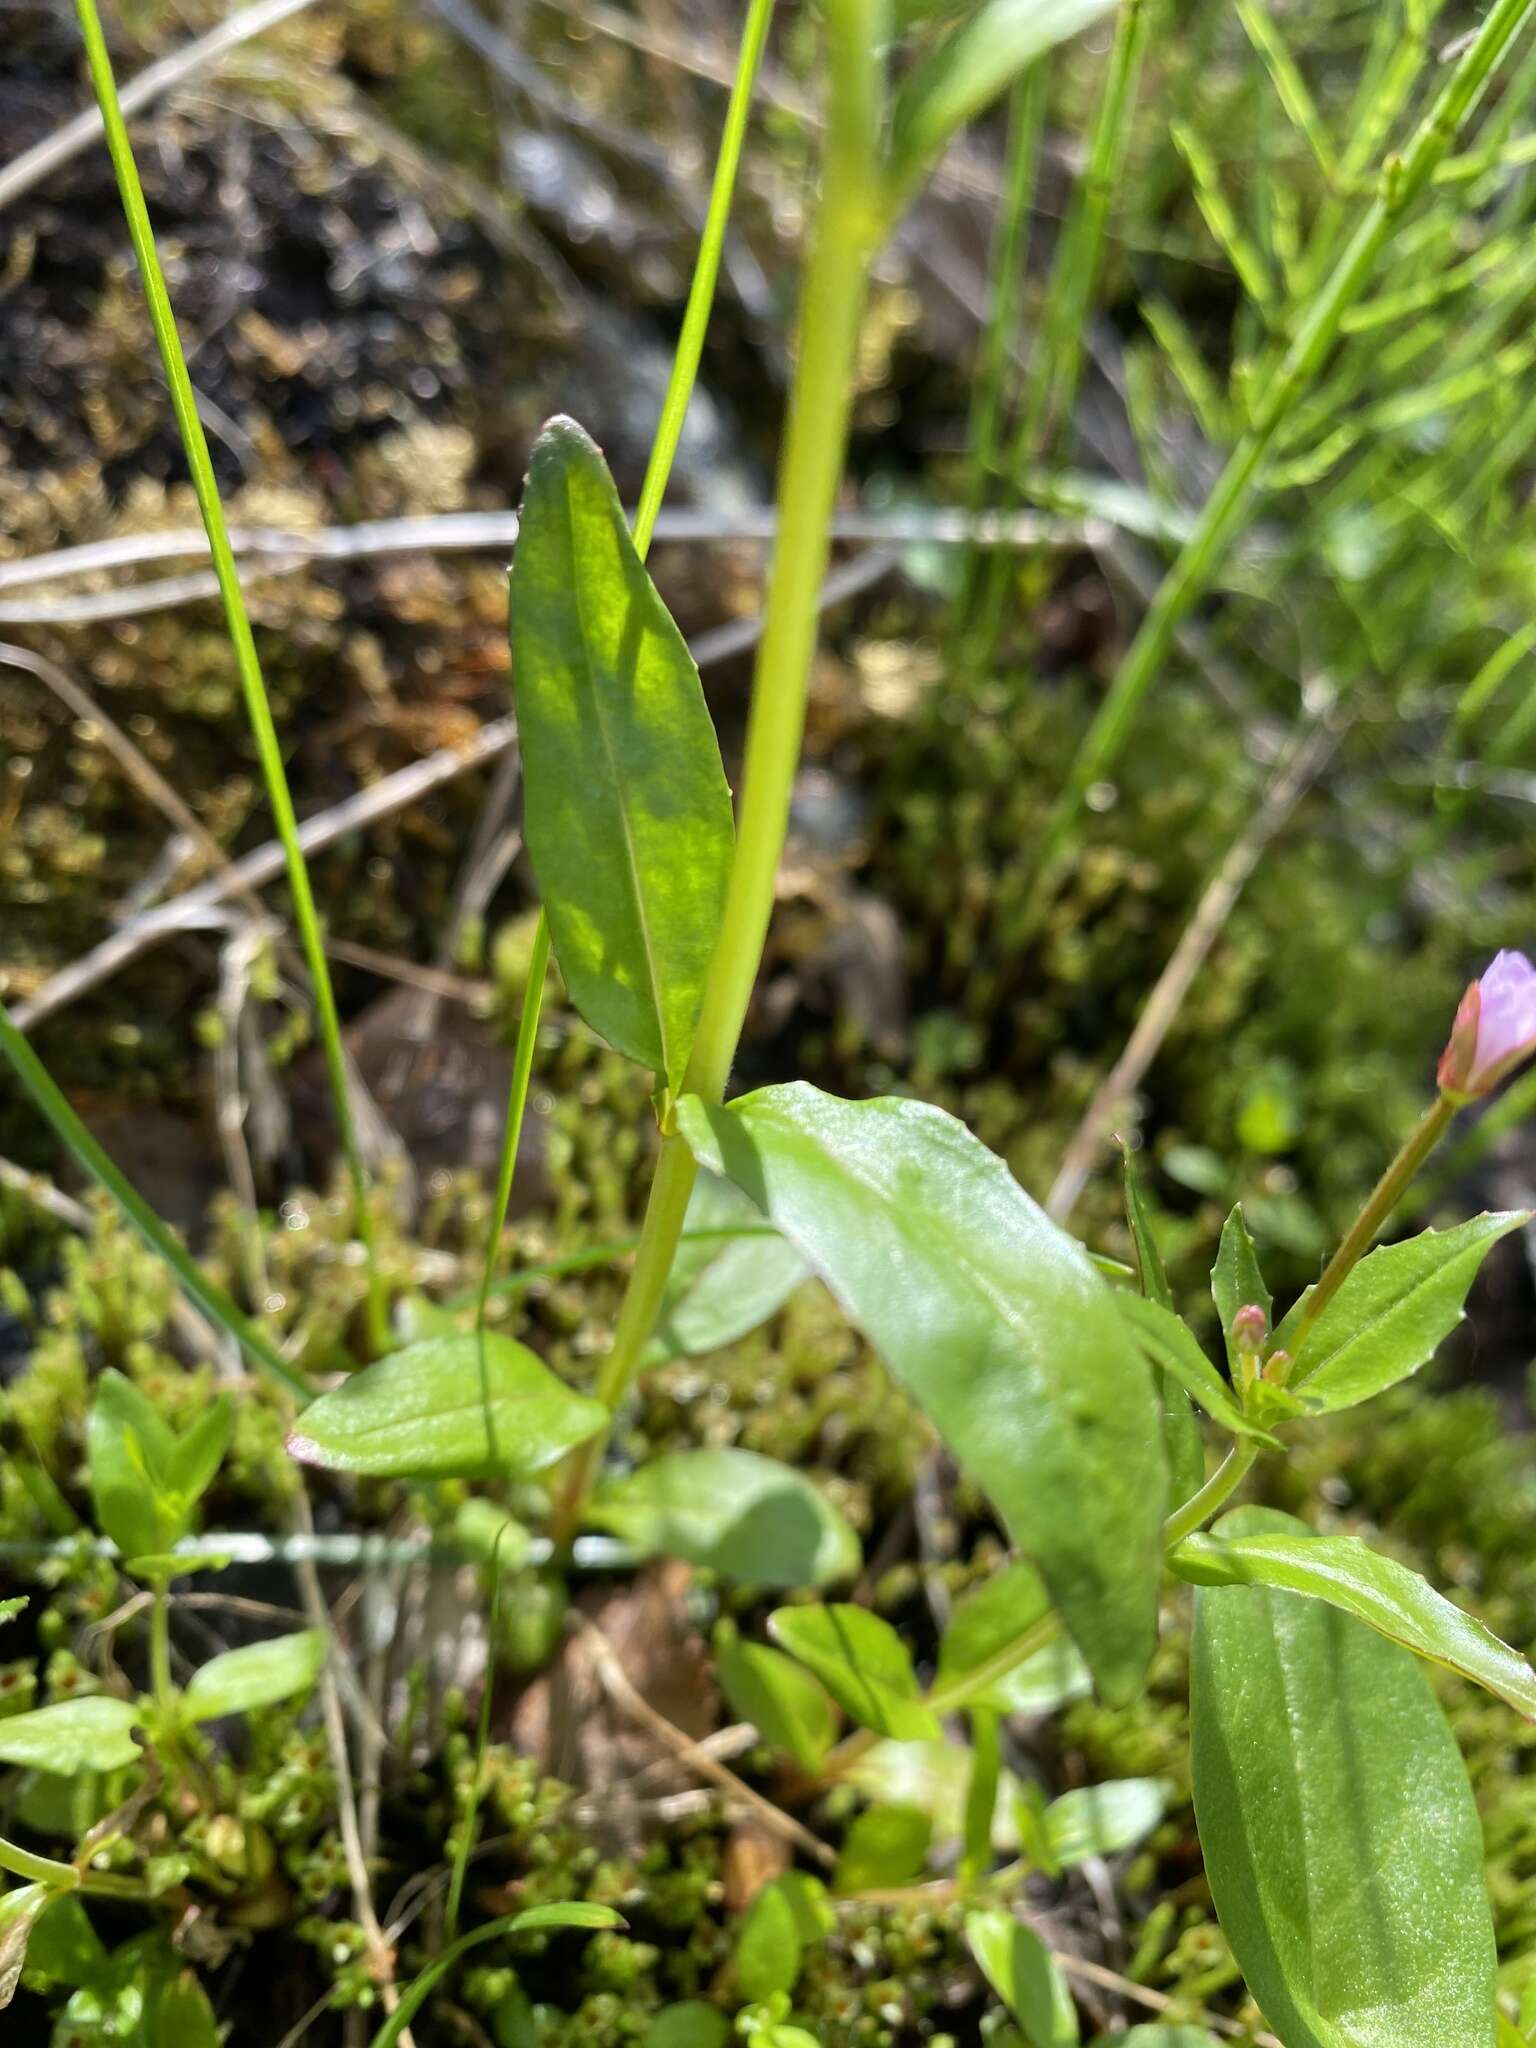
(1338, 1828)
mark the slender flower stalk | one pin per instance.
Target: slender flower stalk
(849, 222)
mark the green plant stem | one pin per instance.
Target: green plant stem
(162, 1684)
(1216, 1492)
(1379, 1204)
(210, 1298)
(706, 272)
(848, 227)
(517, 1103)
(658, 469)
(1403, 179)
(258, 708)
(945, 1699)
(37, 1869)
(1026, 113)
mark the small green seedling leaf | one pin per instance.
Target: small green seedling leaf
(886, 1847)
(1392, 1312)
(90, 1734)
(1236, 1281)
(195, 1458)
(863, 1663)
(689, 2024)
(577, 1913)
(448, 1407)
(788, 1707)
(259, 1675)
(184, 2015)
(770, 1948)
(993, 1318)
(1169, 1343)
(982, 1626)
(20, 1911)
(1025, 1976)
(734, 1512)
(65, 1948)
(9, 1609)
(975, 62)
(723, 1286)
(626, 808)
(1341, 1840)
(1384, 1595)
(128, 1447)
(1101, 1820)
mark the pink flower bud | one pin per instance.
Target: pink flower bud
(1495, 1029)
(1250, 1326)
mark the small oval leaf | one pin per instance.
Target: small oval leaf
(448, 1407)
(734, 1512)
(731, 1273)
(788, 1707)
(863, 1663)
(91, 1734)
(257, 1675)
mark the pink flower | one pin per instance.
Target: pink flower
(1495, 1029)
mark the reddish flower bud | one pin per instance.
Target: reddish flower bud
(1494, 1031)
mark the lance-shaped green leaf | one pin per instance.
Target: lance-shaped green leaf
(1341, 1840)
(448, 1407)
(731, 1273)
(1025, 1976)
(1376, 1590)
(90, 1734)
(1150, 1269)
(1391, 1313)
(1236, 1281)
(731, 1511)
(996, 1321)
(256, 1675)
(625, 807)
(973, 64)
(863, 1663)
(1169, 1342)
(20, 1911)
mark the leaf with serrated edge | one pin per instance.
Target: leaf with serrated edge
(1391, 1313)
(1376, 1590)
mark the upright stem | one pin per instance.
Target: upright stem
(1403, 179)
(517, 1103)
(161, 1683)
(848, 226)
(669, 431)
(247, 662)
(1382, 1200)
